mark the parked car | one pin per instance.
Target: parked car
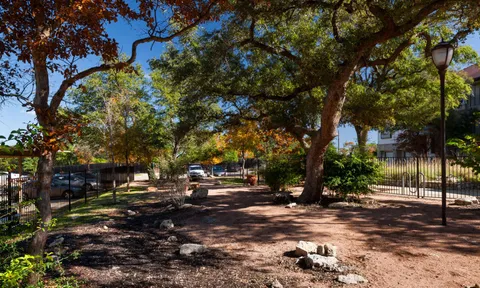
(77, 180)
(58, 190)
(195, 172)
(218, 170)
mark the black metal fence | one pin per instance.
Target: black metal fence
(69, 187)
(421, 177)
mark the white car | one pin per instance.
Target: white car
(196, 171)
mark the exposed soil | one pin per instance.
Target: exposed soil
(397, 242)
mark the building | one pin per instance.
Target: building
(387, 144)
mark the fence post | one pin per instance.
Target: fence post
(85, 184)
(9, 188)
(70, 190)
(417, 180)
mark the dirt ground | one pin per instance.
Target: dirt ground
(395, 243)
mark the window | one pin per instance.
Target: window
(385, 135)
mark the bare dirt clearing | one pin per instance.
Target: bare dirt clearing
(397, 243)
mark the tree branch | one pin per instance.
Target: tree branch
(334, 21)
(393, 57)
(67, 83)
(382, 15)
(251, 40)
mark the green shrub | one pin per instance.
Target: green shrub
(283, 171)
(350, 174)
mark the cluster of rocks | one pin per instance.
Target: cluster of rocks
(185, 249)
(465, 201)
(324, 256)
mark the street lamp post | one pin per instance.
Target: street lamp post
(442, 55)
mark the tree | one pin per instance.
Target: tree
(187, 121)
(402, 94)
(282, 50)
(244, 138)
(50, 35)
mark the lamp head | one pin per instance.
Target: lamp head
(442, 55)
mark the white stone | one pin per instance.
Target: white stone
(291, 205)
(351, 279)
(330, 250)
(189, 249)
(319, 261)
(172, 239)
(304, 248)
(199, 193)
(131, 213)
(469, 200)
(276, 284)
(167, 224)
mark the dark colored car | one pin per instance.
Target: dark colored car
(58, 190)
(218, 170)
(77, 179)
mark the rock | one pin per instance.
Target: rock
(321, 250)
(319, 261)
(291, 205)
(276, 284)
(351, 279)
(282, 197)
(56, 242)
(330, 250)
(199, 193)
(131, 213)
(186, 206)
(172, 239)
(218, 183)
(469, 200)
(105, 227)
(189, 249)
(304, 248)
(339, 205)
(367, 201)
(166, 224)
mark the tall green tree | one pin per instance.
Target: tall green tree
(283, 50)
(403, 94)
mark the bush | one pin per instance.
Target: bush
(350, 174)
(283, 171)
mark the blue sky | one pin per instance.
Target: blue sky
(14, 116)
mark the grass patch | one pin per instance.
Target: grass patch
(232, 181)
(100, 209)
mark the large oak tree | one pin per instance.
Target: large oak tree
(279, 51)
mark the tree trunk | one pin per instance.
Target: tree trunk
(45, 163)
(45, 174)
(331, 113)
(312, 191)
(362, 138)
(114, 180)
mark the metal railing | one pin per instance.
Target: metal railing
(421, 177)
(18, 194)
